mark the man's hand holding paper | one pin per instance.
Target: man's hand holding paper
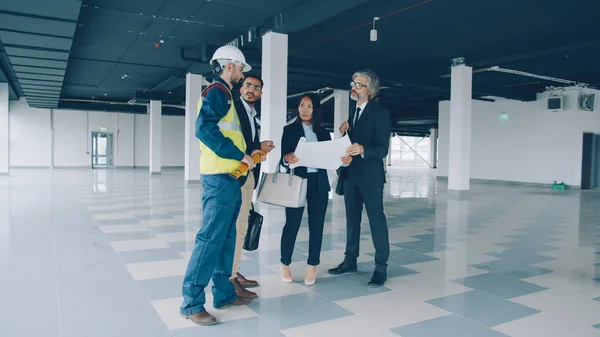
(322, 155)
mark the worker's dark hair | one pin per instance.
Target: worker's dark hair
(316, 115)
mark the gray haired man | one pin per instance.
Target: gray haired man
(369, 128)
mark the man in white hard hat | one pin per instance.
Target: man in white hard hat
(222, 150)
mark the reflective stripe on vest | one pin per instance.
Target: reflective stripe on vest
(231, 126)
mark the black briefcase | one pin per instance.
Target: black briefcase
(252, 238)
(339, 188)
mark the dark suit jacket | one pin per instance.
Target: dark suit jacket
(251, 144)
(372, 131)
(291, 135)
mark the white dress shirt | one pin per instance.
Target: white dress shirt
(251, 115)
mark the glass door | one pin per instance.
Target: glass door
(102, 150)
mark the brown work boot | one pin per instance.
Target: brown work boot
(239, 301)
(202, 318)
(241, 291)
(245, 282)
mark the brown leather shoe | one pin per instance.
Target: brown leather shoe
(239, 301)
(245, 282)
(241, 291)
(202, 318)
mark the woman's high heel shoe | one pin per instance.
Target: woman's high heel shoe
(286, 274)
(311, 275)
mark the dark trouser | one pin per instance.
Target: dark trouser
(317, 207)
(212, 256)
(372, 197)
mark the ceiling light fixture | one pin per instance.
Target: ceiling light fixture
(373, 36)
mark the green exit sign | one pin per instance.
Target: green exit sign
(103, 128)
(503, 117)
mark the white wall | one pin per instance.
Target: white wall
(173, 141)
(31, 137)
(534, 145)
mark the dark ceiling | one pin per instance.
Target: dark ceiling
(80, 51)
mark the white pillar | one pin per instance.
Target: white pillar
(4, 130)
(459, 163)
(341, 110)
(193, 90)
(433, 138)
(155, 137)
(274, 98)
(4, 223)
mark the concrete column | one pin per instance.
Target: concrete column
(433, 149)
(459, 163)
(193, 90)
(274, 98)
(4, 223)
(341, 110)
(4, 130)
(155, 137)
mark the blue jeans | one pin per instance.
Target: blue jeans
(215, 245)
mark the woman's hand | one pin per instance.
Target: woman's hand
(291, 158)
(346, 160)
(344, 128)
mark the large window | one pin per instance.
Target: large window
(410, 151)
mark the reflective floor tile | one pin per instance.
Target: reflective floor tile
(272, 257)
(130, 236)
(126, 221)
(180, 247)
(253, 326)
(512, 268)
(297, 310)
(123, 228)
(365, 270)
(169, 229)
(343, 287)
(162, 288)
(422, 246)
(447, 326)
(271, 286)
(546, 325)
(483, 308)
(522, 257)
(423, 286)
(168, 310)
(498, 285)
(351, 326)
(131, 245)
(178, 237)
(149, 255)
(391, 309)
(150, 270)
(249, 267)
(405, 257)
(153, 217)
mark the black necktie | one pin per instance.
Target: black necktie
(356, 114)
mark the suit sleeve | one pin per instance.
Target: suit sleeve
(214, 108)
(381, 146)
(287, 146)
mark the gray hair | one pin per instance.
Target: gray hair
(372, 81)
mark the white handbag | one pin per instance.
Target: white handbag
(282, 189)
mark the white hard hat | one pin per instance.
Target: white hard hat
(231, 54)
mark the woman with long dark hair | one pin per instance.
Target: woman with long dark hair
(307, 124)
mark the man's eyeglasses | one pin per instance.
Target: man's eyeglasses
(250, 86)
(357, 85)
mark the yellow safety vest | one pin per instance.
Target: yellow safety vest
(210, 162)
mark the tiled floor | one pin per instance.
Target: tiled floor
(103, 253)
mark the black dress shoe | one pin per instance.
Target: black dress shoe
(378, 279)
(342, 269)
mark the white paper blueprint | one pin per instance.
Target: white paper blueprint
(324, 155)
